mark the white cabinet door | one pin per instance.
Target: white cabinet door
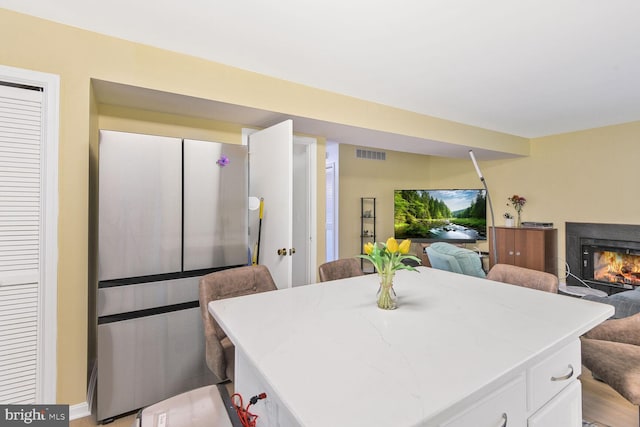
(20, 231)
(506, 407)
(552, 374)
(564, 410)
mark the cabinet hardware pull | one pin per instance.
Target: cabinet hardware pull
(282, 251)
(292, 251)
(504, 420)
(564, 377)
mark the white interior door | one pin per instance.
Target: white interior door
(271, 178)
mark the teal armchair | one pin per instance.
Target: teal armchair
(445, 256)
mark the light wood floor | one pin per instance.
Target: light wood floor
(600, 404)
(90, 422)
(126, 421)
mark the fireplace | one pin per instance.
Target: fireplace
(604, 256)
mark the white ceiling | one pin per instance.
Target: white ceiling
(526, 68)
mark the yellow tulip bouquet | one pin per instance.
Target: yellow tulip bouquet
(387, 258)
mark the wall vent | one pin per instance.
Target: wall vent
(370, 155)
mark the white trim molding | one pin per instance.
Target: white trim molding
(79, 410)
(47, 342)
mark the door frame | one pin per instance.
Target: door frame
(312, 204)
(333, 160)
(47, 368)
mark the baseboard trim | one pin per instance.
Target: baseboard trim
(79, 410)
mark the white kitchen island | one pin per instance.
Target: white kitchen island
(459, 351)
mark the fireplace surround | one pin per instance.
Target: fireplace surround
(605, 256)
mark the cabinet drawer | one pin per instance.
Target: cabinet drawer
(551, 375)
(504, 407)
(564, 410)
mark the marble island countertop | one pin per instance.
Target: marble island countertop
(330, 354)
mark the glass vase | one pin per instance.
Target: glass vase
(386, 296)
(518, 222)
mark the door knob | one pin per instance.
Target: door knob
(292, 251)
(282, 252)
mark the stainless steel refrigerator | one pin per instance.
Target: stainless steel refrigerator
(170, 211)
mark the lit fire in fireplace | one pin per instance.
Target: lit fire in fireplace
(616, 267)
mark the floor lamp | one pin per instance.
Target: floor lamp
(493, 222)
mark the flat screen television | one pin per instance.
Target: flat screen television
(449, 215)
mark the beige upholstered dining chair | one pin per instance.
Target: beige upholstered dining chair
(234, 282)
(524, 277)
(611, 351)
(340, 269)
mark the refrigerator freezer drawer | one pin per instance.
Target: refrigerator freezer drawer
(145, 360)
(142, 296)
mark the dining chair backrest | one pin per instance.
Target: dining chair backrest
(340, 269)
(233, 282)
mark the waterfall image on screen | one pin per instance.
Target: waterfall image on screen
(440, 215)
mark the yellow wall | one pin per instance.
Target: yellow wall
(78, 56)
(375, 178)
(586, 176)
(154, 123)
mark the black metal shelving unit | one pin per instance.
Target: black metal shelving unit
(367, 228)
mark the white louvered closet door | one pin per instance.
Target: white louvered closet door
(20, 242)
